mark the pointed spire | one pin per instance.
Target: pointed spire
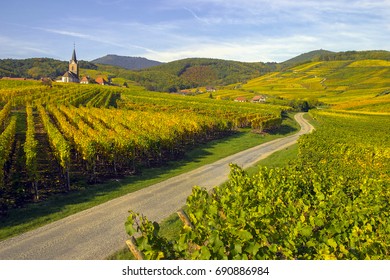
(74, 53)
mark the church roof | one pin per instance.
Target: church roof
(70, 75)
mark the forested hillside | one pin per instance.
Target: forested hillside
(37, 68)
(195, 72)
(127, 62)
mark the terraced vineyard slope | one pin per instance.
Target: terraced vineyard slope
(347, 84)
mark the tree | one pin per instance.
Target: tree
(47, 82)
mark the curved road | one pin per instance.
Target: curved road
(98, 232)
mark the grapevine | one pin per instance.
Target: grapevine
(333, 203)
(7, 138)
(30, 150)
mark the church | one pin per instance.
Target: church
(72, 75)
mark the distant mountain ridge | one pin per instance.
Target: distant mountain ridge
(309, 56)
(324, 55)
(127, 62)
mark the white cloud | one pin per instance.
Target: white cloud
(11, 48)
(70, 33)
(249, 50)
(202, 20)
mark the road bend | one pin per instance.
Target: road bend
(98, 232)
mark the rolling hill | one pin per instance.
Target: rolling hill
(197, 72)
(305, 57)
(324, 55)
(127, 62)
(346, 84)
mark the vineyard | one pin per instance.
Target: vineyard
(333, 203)
(53, 136)
(349, 84)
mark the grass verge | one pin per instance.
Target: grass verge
(278, 159)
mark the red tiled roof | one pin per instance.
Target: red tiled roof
(258, 97)
(100, 80)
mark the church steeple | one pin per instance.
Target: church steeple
(74, 55)
(72, 75)
(73, 64)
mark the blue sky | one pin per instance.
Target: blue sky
(244, 30)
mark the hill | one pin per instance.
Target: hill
(347, 84)
(196, 72)
(353, 80)
(199, 72)
(309, 56)
(127, 62)
(324, 55)
(355, 55)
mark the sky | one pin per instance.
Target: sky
(242, 30)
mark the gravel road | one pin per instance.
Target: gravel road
(99, 231)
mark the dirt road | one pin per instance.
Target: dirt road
(98, 232)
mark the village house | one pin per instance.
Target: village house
(240, 99)
(87, 80)
(101, 81)
(84, 80)
(258, 98)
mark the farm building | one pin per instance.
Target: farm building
(258, 98)
(101, 81)
(240, 99)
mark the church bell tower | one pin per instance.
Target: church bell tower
(73, 64)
